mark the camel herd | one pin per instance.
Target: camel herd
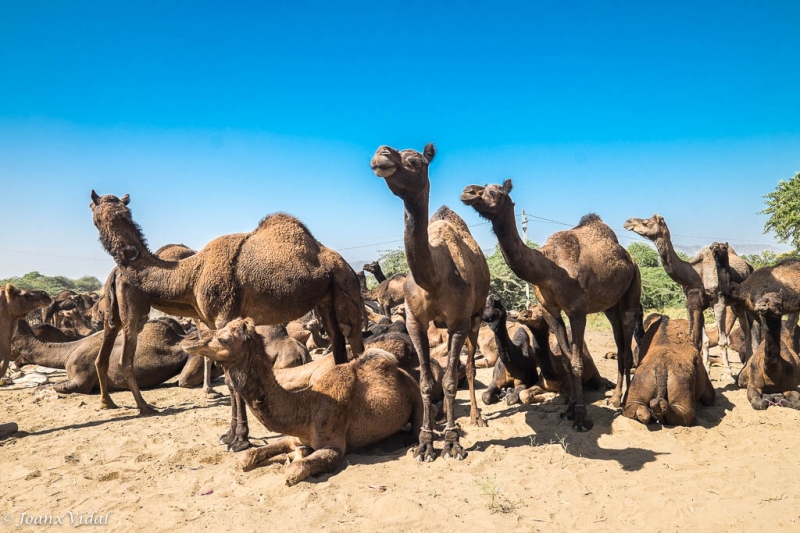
(260, 302)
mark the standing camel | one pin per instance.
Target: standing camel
(699, 273)
(273, 275)
(447, 283)
(580, 271)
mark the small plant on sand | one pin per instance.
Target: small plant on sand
(498, 503)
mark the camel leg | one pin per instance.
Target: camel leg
(271, 453)
(472, 342)
(207, 388)
(241, 432)
(75, 385)
(128, 351)
(720, 313)
(616, 327)
(328, 317)
(419, 337)
(672, 413)
(637, 411)
(319, 462)
(228, 436)
(101, 364)
(452, 447)
(581, 421)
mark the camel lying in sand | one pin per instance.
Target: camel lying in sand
(671, 377)
(353, 405)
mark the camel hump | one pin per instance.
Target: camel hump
(450, 216)
(590, 218)
(281, 220)
(174, 252)
(377, 356)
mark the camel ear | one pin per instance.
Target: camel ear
(429, 152)
(130, 253)
(507, 185)
(95, 198)
(125, 199)
(11, 290)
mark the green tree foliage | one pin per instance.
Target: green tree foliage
(644, 255)
(392, 262)
(504, 283)
(783, 208)
(764, 259)
(54, 284)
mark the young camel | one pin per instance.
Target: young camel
(273, 275)
(580, 271)
(352, 405)
(698, 273)
(14, 305)
(447, 283)
(772, 375)
(671, 377)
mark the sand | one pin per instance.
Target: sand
(527, 471)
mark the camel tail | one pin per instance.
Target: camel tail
(112, 309)
(638, 334)
(662, 375)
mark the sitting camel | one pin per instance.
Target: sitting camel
(283, 351)
(671, 377)
(487, 344)
(546, 354)
(352, 405)
(273, 274)
(772, 375)
(158, 358)
(14, 305)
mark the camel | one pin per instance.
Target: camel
(579, 271)
(49, 333)
(671, 377)
(73, 322)
(273, 275)
(487, 344)
(351, 406)
(698, 273)
(317, 339)
(14, 305)
(447, 283)
(782, 278)
(283, 351)
(62, 298)
(772, 375)
(158, 358)
(545, 354)
(389, 292)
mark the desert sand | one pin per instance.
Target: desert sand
(528, 471)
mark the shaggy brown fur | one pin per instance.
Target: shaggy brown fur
(700, 272)
(448, 283)
(671, 378)
(14, 305)
(158, 358)
(580, 271)
(274, 274)
(353, 405)
(772, 375)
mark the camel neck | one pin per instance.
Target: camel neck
(527, 263)
(33, 350)
(415, 238)
(279, 410)
(380, 277)
(696, 326)
(679, 270)
(505, 348)
(772, 339)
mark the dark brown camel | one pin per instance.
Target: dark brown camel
(671, 377)
(580, 271)
(14, 305)
(353, 405)
(273, 275)
(447, 284)
(158, 358)
(772, 375)
(698, 273)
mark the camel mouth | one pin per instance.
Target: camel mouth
(382, 165)
(630, 224)
(469, 196)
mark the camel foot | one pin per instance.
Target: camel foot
(239, 444)
(452, 448)
(147, 410)
(108, 404)
(569, 412)
(211, 394)
(726, 377)
(226, 438)
(582, 422)
(512, 398)
(425, 451)
(489, 398)
(615, 401)
(479, 421)
(6, 430)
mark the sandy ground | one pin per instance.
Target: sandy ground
(528, 471)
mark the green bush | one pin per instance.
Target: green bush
(53, 284)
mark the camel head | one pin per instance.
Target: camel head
(371, 267)
(490, 201)
(532, 318)
(650, 228)
(405, 171)
(226, 345)
(119, 234)
(19, 303)
(770, 304)
(494, 312)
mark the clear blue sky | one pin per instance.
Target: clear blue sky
(212, 115)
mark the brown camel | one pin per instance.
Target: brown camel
(772, 375)
(671, 377)
(282, 350)
(447, 284)
(487, 344)
(580, 271)
(14, 305)
(389, 293)
(353, 405)
(317, 339)
(698, 273)
(273, 275)
(49, 333)
(158, 358)
(73, 322)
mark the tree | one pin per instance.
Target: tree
(504, 283)
(392, 262)
(53, 284)
(644, 255)
(783, 208)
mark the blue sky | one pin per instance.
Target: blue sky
(212, 115)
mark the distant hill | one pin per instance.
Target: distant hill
(741, 249)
